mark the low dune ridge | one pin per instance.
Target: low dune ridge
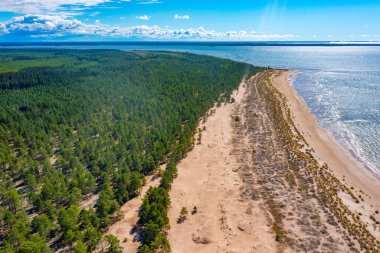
(265, 178)
(364, 185)
(209, 179)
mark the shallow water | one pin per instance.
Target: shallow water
(341, 85)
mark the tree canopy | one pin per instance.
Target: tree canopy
(80, 123)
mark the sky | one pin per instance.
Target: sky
(193, 20)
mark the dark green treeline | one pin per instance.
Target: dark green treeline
(74, 123)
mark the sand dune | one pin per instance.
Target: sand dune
(326, 150)
(260, 182)
(209, 179)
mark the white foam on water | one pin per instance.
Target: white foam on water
(357, 121)
(323, 90)
(351, 142)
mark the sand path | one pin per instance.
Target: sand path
(123, 229)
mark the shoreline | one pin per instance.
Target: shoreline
(260, 184)
(326, 149)
(329, 150)
(361, 161)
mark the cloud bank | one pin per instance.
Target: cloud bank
(47, 6)
(49, 26)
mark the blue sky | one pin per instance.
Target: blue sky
(248, 20)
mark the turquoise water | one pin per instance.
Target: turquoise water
(341, 85)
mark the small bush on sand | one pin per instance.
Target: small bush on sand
(183, 215)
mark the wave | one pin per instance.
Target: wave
(357, 121)
(352, 143)
(333, 109)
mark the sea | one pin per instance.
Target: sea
(340, 82)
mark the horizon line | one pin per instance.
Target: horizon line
(203, 42)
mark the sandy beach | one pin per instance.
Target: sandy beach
(268, 179)
(327, 150)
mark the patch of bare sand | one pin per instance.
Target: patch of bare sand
(90, 201)
(209, 179)
(363, 183)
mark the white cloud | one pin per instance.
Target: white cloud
(47, 6)
(44, 24)
(143, 17)
(57, 26)
(176, 16)
(150, 2)
(3, 29)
